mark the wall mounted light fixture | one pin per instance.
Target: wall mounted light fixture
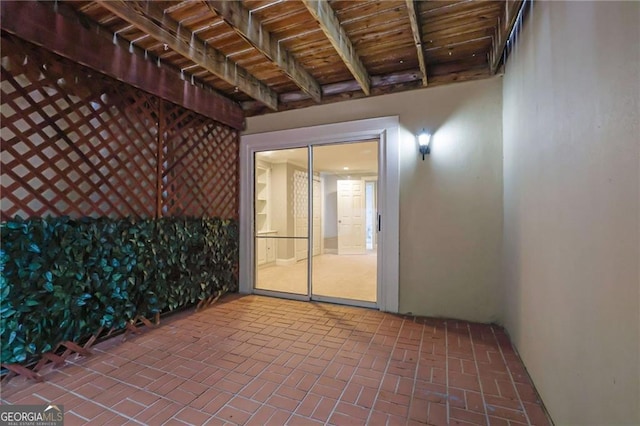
(424, 143)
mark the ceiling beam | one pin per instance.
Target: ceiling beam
(392, 83)
(154, 22)
(250, 28)
(343, 87)
(88, 44)
(417, 38)
(326, 17)
(505, 25)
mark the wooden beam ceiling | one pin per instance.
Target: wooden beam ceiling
(417, 38)
(227, 44)
(80, 41)
(326, 17)
(250, 28)
(343, 87)
(154, 22)
(392, 83)
(505, 25)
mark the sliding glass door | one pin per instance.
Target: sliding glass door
(281, 233)
(346, 269)
(315, 230)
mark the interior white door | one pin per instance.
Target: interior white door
(351, 217)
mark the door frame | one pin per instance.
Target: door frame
(374, 180)
(386, 130)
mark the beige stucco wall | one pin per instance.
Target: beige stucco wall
(450, 204)
(571, 191)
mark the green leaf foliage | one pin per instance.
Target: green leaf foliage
(62, 279)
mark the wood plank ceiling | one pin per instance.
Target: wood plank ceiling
(275, 55)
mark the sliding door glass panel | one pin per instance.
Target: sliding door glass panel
(281, 217)
(344, 219)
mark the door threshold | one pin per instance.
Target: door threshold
(315, 298)
(348, 302)
(282, 295)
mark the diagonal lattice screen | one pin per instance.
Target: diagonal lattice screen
(194, 141)
(75, 142)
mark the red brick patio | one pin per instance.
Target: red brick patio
(261, 361)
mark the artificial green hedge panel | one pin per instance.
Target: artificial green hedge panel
(62, 279)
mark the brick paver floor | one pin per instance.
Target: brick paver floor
(263, 361)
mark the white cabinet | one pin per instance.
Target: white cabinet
(271, 250)
(261, 251)
(266, 248)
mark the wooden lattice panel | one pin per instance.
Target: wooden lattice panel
(201, 174)
(75, 142)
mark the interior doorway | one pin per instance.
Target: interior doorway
(313, 200)
(351, 217)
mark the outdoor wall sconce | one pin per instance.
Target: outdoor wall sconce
(424, 140)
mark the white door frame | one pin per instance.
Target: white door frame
(374, 180)
(386, 129)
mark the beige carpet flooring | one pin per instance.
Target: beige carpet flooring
(346, 276)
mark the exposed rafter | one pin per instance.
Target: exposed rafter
(380, 85)
(417, 38)
(343, 87)
(164, 29)
(88, 44)
(328, 43)
(250, 28)
(501, 36)
(326, 17)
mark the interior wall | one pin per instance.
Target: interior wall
(571, 191)
(450, 204)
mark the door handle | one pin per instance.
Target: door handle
(379, 223)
